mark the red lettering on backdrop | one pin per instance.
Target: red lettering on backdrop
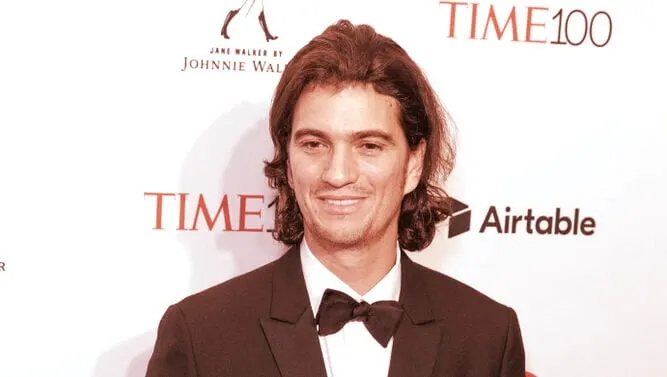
(530, 24)
(596, 29)
(452, 16)
(499, 33)
(244, 212)
(181, 214)
(158, 207)
(202, 208)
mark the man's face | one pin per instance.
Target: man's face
(350, 165)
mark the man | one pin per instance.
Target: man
(361, 148)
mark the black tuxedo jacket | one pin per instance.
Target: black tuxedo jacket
(260, 324)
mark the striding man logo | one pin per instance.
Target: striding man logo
(248, 5)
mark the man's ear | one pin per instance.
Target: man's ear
(415, 167)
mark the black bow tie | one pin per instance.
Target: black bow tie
(336, 309)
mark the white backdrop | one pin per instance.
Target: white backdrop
(96, 112)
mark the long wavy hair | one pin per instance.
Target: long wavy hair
(346, 54)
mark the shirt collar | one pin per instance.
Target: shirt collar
(319, 278)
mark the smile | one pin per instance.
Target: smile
(342, 202)
(343, 206)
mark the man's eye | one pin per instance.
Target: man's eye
(371, 146)
(312, 144)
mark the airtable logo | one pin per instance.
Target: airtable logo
(240, 57)
(556, 223)
(527, 24)
(460, 221)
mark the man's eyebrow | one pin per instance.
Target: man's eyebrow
(373, 133)
(358, 135)
(298, 134)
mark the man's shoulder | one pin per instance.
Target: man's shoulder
(242, 295)
(450, 295)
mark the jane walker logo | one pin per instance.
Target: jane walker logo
(559, 222)
(244, 56)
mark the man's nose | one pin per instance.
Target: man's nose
(342, 167)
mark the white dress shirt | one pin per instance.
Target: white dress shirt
(352, 351)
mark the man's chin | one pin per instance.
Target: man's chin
(342, 238)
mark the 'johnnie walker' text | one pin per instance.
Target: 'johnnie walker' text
(230, 65)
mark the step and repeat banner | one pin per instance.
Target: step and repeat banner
(133, 133)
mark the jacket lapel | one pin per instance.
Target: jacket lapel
(417, 340)
(290, 329)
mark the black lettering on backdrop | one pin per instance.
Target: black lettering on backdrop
(558, 224)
